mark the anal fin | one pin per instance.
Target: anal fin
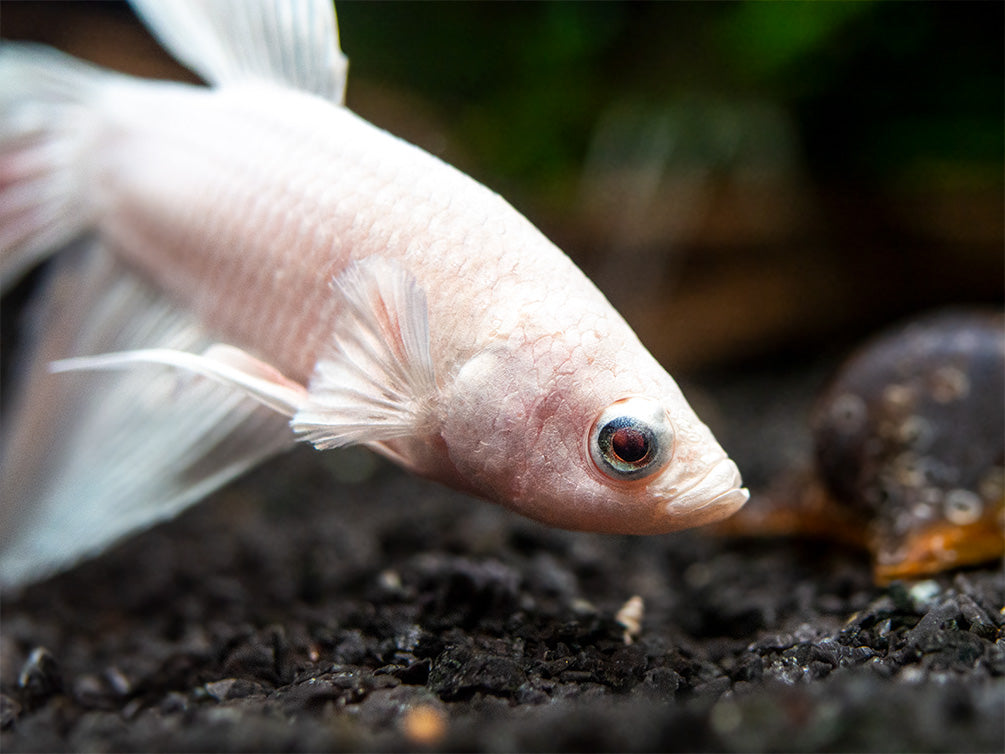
(92, 456)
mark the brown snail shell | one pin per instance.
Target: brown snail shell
(909, 442)
(911, 435)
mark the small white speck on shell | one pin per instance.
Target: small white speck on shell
(949, 384)
(897, 396)
(962, 507)
(916, 431)
(992, 485)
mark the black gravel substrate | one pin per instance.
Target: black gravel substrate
(295, 612)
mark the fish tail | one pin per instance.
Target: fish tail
(47, 127)
(97, 451)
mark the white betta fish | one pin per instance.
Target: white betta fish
(254, 264)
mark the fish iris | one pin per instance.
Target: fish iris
(629, 445)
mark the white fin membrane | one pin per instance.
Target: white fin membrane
(220, 362)
(90, 457)
(375, 382)
(289, 42)
(46, 129)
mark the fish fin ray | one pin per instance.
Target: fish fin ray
(222, 363)
(92, 456)
(375, 381)
(44, 134)
(292, 42)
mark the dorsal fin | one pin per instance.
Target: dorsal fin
(289, 42)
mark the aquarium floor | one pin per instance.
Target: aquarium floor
(295, 611)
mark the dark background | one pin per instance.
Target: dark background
(744, 180)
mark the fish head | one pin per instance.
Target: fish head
(607, 445)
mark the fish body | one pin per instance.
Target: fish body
(326, 281)
(298, 190)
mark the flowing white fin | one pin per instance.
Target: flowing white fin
(46, 129)
(375, 382)
(291, 42)
(90, 457)
(221, 363)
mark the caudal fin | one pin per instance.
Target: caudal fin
(46, 130)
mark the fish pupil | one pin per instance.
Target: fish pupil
(629, 445)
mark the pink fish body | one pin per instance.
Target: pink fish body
(339, 283)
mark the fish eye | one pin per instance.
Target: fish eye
(632, 438)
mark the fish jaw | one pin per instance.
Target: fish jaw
(718, 495)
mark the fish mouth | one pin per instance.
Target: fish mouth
(727, 503)
(717, 495)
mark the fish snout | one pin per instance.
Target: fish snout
(716, 495)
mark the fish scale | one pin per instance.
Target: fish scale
(433, 213)
(303, 275)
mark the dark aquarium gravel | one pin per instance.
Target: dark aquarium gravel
(297, 612)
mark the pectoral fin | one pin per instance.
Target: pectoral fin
(375, 381)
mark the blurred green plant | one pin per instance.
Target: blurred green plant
(877, 90)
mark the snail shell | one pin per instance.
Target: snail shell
(911, 435)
